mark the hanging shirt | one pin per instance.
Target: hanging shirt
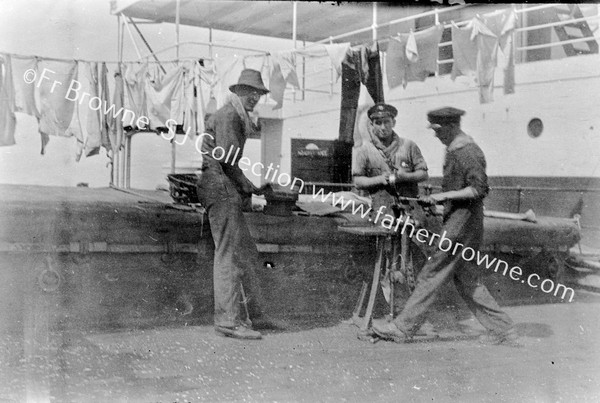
(93, 140)
(134, 76)
(502, 24)
(492, 32)
(56, 109)
(413, 56)
(164, 94)
(8, 120)
(464, 51)
(337, 53)
(24, 92)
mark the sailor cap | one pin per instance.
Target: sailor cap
(447, 114)
(382, 111)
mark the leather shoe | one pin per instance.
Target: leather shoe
(388, 330)
(239, 332)
(509, 338)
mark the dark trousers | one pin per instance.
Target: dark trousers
(466, 227)
(361, 66)
(236, 257)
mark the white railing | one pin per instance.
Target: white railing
(437, 12)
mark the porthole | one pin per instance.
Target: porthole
(535, 127)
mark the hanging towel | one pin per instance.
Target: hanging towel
(134, 76)
(491, 32)
(56, 110)
(164, 94)
(412, 52)
(75, 128)
(413, 56)
(93, 140)
(190, 123)
(502, 24)
(464, 51)
(337, 53)
(24, 92)
(7, 103)
(283, 72)
(487, 51)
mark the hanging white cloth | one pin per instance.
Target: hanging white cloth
(57, 103)
(164, 94)
(134, 76)
(93, 140)
(24, 91)
(283, 72)
(8, 120)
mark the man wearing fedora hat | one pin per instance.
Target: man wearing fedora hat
(222, 189)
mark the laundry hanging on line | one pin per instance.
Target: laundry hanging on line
(283, 72)
(475, 48)
(24, 92)
(413, 56)
(361, 65)
(7, 102)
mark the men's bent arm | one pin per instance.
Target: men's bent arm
(364, 182)
(228, 132)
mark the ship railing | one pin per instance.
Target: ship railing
(317, 79)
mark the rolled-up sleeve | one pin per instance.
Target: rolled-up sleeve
(418, 162)
(359, 162)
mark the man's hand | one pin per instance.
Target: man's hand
(433, 199)
(261, 190)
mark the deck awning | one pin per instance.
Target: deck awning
(315, 21)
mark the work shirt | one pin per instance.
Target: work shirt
(369, 161)
(464, 166)
(225, 129)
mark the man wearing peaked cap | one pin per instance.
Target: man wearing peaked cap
(222, 189)
(389, 166)
(445, 115)
(382, 111)
(464, 186)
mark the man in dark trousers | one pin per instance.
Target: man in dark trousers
(464, 187)
(223, 189)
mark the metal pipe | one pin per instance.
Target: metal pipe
(330, 71)
(137, 50)
(119, 54)
(128, 166)
(374, 25)
(303, 74)
(535, 8)
(173, 142)
(552, 44)
(147, 45)
(554, 24)
(358, 31)
(294, 37)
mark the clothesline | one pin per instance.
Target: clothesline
(63, 59)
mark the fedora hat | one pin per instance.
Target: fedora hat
(250, 78)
